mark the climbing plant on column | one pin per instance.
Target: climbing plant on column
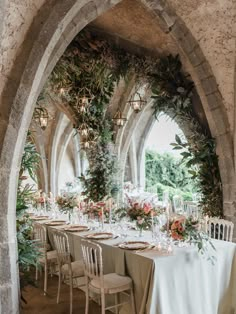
(28, 252)
(172, 94)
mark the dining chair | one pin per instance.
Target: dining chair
(67, 269)
(178, 204)
(191, 208)
(98, 283)
(48, 258)
(220, 229)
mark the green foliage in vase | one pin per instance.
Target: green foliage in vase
(172, 92)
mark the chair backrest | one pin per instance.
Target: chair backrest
(152, 189)
(92, 258)
(62, 247)
(165, 197)
(220, 229)
(191, 208)
(178, 203)
(40, 235)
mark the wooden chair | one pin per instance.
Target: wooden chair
(98, 283)
(220, 229)
(67, 270)
(48, 258)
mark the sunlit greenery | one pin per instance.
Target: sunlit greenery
(164, 172)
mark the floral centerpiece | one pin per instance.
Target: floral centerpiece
(97, 210)
(40, 201)
(188, 229)
(141, 214)
(67, 201)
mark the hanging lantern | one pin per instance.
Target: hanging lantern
(118, 119)
(89, 140)
(84, 100)
(84, 130)
(41, 117)
(137, 103)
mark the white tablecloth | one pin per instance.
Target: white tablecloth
(185, 283)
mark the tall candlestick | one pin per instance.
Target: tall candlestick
(206, 222)
(102, 218)
(152, 221)
(109, 205)
(167, 218)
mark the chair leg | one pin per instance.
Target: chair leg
(103, 302)
(87, 297)
(59, 285)
(117, 302)
(45, 279)
(132, 301)
(71, 294)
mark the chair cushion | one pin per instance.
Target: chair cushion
(77, 269)
(113, 283)
(51, 257)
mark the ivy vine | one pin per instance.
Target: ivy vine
(172, 92)
(94, 63)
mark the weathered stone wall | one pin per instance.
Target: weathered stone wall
(18, 16)
(212, 23)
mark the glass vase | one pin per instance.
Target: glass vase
(140, 230)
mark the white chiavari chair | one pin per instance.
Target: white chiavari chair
(220, 229)
(178, 204)
(191, 208)
(67, 269)
(48, 258)
(98, 283)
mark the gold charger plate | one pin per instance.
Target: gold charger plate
(55, 223)
(100, 236)
(76, 228)
(134, 245)
(39, 217)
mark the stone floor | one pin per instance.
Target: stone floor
(37, 303)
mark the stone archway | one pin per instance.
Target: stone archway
(54, 27)
(209, 93)
(27, 77)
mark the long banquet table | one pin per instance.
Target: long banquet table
(182, 283)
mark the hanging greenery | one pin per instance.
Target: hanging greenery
(97, 65)
(89, 64)
(172, 92)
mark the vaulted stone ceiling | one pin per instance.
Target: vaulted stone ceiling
(129, 22)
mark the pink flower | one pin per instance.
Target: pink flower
(147, 208)
(140, 220)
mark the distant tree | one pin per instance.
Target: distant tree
(166, 170)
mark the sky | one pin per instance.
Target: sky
(162, 134)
